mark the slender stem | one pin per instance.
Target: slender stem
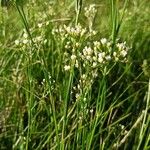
(78, 10)
(145, 116)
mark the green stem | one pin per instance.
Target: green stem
(66, 107)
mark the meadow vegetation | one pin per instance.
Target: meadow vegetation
(75, 75)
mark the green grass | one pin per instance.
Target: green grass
(75, 75)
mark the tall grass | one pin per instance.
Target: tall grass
(63, 85)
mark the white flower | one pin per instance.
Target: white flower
(84, 99)
(77, 45)
(67, 28)
(47, 23)
(122, 127)
(116, 58)
(38, 38)
(78, 29)
(87, 51)
(78, 86)
(108, 44)
(83, 31)
(76, 64)
(67, 67)
(84, 52)
(83, 76)
(60, 30)
(101, 55)
(25, 35)
(73, 57)
(123, 53)
(74, 88)
(90, 11)
(17, 42)
(114, 54)
(100, 59)
(77, 96)
(40, 25)
(108, 57)
(25, 41)
(92, 32)
(94, 64)
(88, 57)
(121, 46)
(103, 40)
(45, 41)
(67, 46)
(91, 110)
(96, 43)
(94, 58)
(94, 74)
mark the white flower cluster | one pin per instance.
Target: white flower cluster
(75, 31)
(84, 52)
(25, 40)
(80, 93)
(101, 53)
(80, 51)
(90, 11)
(44, 86)
(66, 31)
(121, 52)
